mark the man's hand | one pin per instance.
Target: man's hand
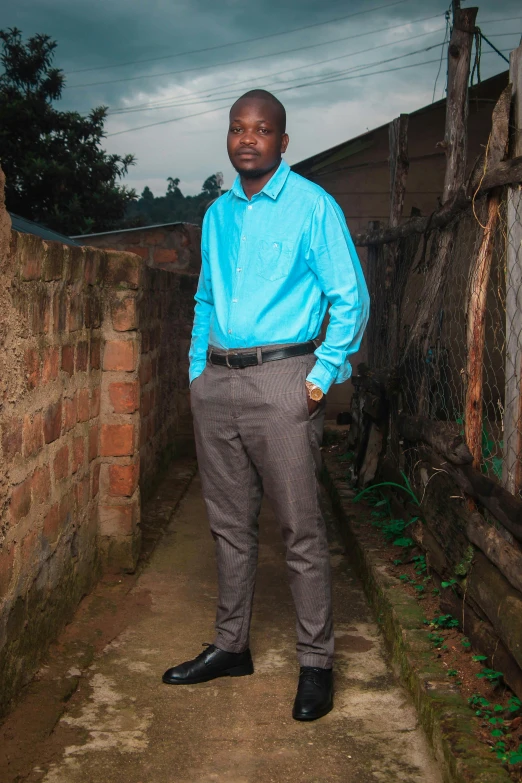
(312, 404)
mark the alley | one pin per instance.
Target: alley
(122, 725)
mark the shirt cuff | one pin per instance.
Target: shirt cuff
(195, 371)
(323, 375)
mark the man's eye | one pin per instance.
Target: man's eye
(263, 130)
(235, 130)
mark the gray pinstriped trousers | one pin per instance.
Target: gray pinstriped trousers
(253, 436)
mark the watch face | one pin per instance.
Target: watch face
(316, 394)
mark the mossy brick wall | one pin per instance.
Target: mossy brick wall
(172, 248)
(93, 395)
(166, 311)
(50, 365)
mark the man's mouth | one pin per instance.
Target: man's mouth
(247, 154)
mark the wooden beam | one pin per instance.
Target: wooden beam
(508, 172)
(512, 457)
(443, 436)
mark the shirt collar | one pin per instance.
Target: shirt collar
(272, 188)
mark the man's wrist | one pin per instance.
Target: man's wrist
(315, 392)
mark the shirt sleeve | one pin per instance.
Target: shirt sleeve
(202, 313)
(334, 260)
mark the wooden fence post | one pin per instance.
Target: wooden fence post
(512, 461)
(478, 282)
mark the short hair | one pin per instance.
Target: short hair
(264, 95)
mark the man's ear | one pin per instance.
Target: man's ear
(284, 142)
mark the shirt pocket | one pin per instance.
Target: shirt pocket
(274, 258)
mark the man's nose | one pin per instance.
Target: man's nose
(248, 140)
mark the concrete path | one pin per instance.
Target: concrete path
(122, 725)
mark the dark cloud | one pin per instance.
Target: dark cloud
(99, 34)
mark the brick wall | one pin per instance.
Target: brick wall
(174, 247)
(93, 398)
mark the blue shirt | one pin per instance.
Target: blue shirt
(271, 267)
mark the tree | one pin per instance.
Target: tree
(173, 206)
(56, 170)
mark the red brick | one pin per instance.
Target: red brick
(78, 456)
(53, 422)
(82, 356)
(68, 359)
(83, 405)
(140, 251)
(156, 237)
(120, 355)
(7, 555)
(71, 412)
(40, 315)
(117, 440)
(163, 255)
(92, 266)
(123, 269)
(41, 484)
(75, 319)
(123, 479)
(95, 402)
(93, 309)
(51, 364)
(117, 520)
(32, 368)
(96, 479)
(95, 354)
(124, 396)
(31, 263)
(61, 463)
(124, 315)
(32, 434)
(145, 370)
(93, 442)
(81, 490)
(59, 311)
(11, 438)
(20, 500)
(51, 525)
(53, 261)
(75, 270)
(29, 545)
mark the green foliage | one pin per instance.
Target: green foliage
(444, 621)
(492, 676)
(465, 642)
(492, 714)
(406, 487)
(436, 639)
(450, 583)
(174, 207)
(56, 170)
(452, 672)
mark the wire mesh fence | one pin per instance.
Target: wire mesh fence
(447, 312)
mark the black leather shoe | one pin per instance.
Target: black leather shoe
(208, 665)
(314, 693)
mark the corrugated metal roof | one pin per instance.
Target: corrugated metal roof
(128, 230)
(25, 226)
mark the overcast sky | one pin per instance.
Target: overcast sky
(129, 54)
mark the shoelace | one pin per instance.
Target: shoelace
(202, 654)
(311, 675)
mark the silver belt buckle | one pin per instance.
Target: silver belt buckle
(226, 359)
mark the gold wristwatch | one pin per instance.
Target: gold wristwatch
(314, 392)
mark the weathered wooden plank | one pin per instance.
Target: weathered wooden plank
(455, 137)
(507, 559)
(512, 457)
(505, 507)
(442, 436)
(476, 328)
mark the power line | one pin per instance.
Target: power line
(285, 89)
(211, 99)
(220, 65)
(446, 38)
(300, 67)
(246, 40)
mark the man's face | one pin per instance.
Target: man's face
(255, 139)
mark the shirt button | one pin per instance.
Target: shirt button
(243, 238)
(275, 244)
(230, 331)
(239, 269)
(249, 206)
(234, 300)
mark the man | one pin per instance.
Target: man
(275, 253)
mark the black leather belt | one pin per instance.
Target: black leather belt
(238, 361)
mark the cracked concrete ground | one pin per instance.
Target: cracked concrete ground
(122, 725)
